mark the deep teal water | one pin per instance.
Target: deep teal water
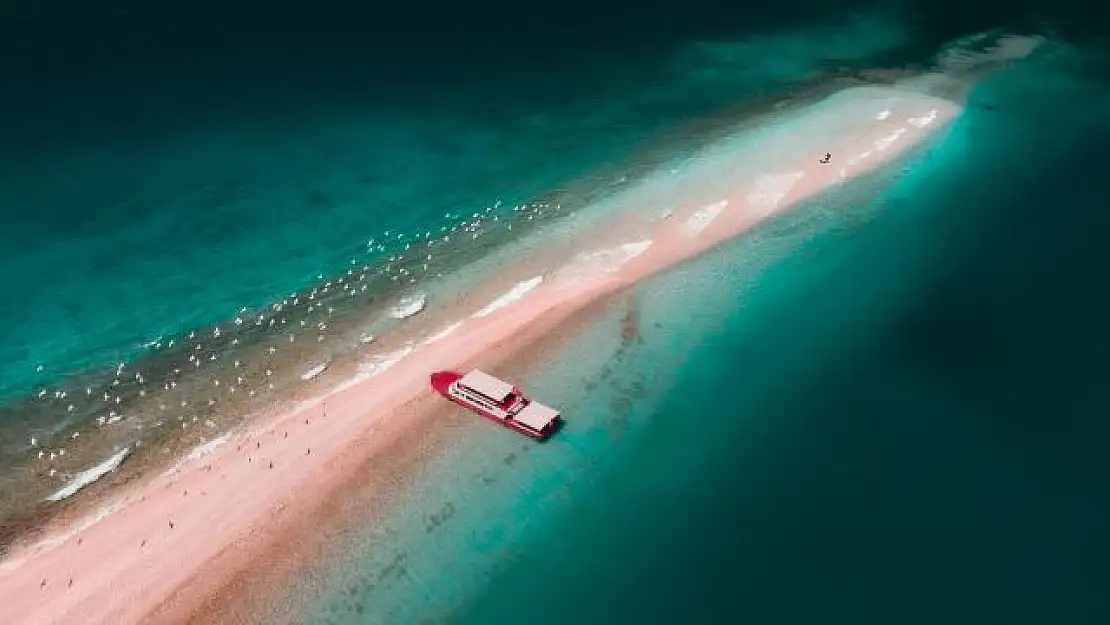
(158, 206)
(916, 424)
(917, 432)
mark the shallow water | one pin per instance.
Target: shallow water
(890, 442)
(865, 461)
(130, 249)
(117, 238)
(491, 497)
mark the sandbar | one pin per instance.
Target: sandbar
(183, 536)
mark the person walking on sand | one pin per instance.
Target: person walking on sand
(828, 157)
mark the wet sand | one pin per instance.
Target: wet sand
(188, 389)
(184, 537)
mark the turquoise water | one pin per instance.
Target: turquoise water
(490, 499)
(170, 219)
(913, 368)
(904, 400)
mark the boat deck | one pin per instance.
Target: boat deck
(536, 416)
(498, 400)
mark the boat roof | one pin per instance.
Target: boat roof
(484, 383)
(536, 416)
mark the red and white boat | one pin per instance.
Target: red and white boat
(499, 401)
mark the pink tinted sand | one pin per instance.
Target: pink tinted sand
(131, 565)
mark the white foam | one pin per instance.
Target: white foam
(409, 306)
(610, 259)
(315, 371)
(587, 265)
(57, 539)
(382, 362)
(198, 452)
(883, 143)
(521, 289)
(206, 449)
(91, 475)
(924, 120)
(632, 250)
(366, 370)
(770, 189)
(312, 402)
(883, 114)
(444, 333)
(8, 566)
(859, 157)
(703, 217)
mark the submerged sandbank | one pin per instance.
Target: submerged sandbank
(249, 489)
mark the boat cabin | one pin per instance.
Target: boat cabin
(491, 388)
(504, 402)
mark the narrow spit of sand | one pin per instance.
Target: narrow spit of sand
(179, 539)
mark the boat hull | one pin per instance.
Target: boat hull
(441, 382)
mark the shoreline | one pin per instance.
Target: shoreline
(351, 434)
(373, 482)
(149, 432)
